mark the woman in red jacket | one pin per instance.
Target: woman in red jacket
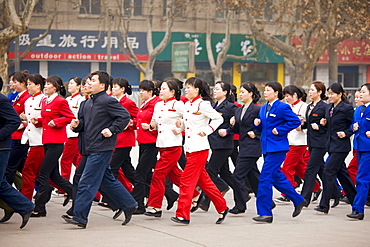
(125, 140)
(146, 138)
(55, 115)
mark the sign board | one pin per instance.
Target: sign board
(183, 57)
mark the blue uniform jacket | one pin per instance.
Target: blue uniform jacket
(283, 119)
(363, 142)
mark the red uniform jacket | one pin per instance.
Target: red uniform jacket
(127, 137)
(145, 116)
(19, 108)
(58, 111)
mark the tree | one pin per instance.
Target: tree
(15, 24)
(222, 56)
(173, 9)
(317, 23)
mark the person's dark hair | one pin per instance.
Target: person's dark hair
(122, 82)
(1, 83)
(83, 80)
(181, 83)
(11, 75)
(57, 83)
(77, 80)
(21, 76)
(276, 86)
(37, 79)
(148, 85)
(320, 86)
(366, 85)
(173, 85)
(337, 88)
(226, 87)
(250, 87)
(104, 78)
(233, 95)
(293, 89)
(157, 85)
(202, 85)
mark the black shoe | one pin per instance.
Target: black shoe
(128, 215)
(282, 199)
(25, 218)
(170, 204)
(336, 202)
(180, 221)
(117, 214)
(37, 214)
(75, 222)
(6, 216)
(196, 204)
(67, 197)
(273, 205)
(263, 218)
(66, 216)
(344, 199)
(235, 210)
(248, 198)
(222, 216)
(355, 215)
(154, 213)
(298, 208)
(205, 203)
(139, 210)
(316, 195)
(367, 203)
(321, 209)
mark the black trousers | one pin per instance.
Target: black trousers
(246, 169)
(216, 167)
(235, 153)
(315, 166)
(121, 159)
(50, 169)
(76, 180)
(336, 167)
(147, 160)
(17, 158)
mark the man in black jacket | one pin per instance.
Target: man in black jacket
(9, 122)
(101, 120)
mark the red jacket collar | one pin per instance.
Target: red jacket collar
(192, 101)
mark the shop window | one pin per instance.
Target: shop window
(38, 9)
(90, 7)
(179, 7)
(133, 7)
(348, 76)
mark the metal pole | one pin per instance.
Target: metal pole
(109, 44)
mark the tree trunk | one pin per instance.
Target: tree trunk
(149, 73)
(217, 72)
(333, 64)
(4, 64)
(304, 76)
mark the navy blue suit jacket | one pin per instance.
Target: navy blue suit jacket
(341, 120)
(227, 111)
(9, 122)
(248, 147)
(316, 138)
(281, 117)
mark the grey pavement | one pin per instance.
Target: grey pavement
(308, 229)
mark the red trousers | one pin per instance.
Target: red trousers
(195, 173)
(70, 156)
(166, 166)
(124, 181)
(353, 167)
(295, 163)
(31, 170)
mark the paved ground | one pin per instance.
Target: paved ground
(308, 229)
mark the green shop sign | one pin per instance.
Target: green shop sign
(241, 45)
